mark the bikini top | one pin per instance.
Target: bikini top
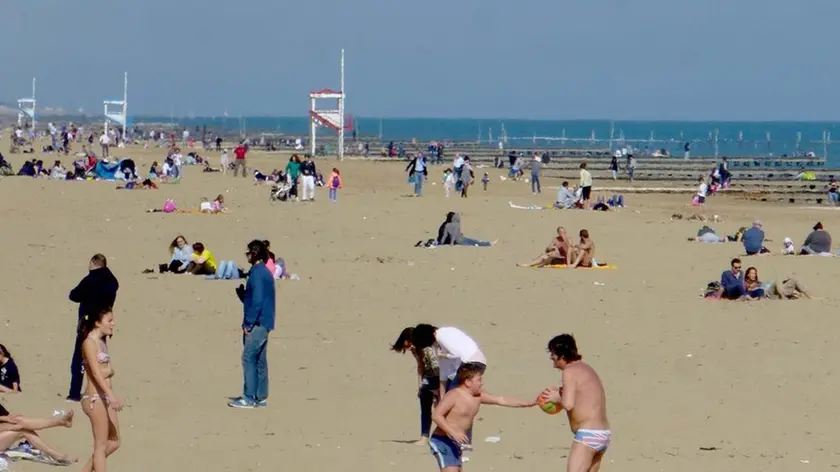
(102, 356)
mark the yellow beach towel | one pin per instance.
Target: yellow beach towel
(565, 266)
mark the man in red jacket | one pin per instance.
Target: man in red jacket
(240, 153)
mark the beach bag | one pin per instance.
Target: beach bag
(336, 182)
(169, 206)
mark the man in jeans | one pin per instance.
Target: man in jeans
(259, 307)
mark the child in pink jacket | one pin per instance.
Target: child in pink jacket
(334, 183)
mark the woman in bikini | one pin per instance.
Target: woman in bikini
(99, 402)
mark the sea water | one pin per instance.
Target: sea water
(774, 138)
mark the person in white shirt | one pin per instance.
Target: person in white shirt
(454, 348)
(585, 183)
(702, 191)
(565, 197)
(105, 143)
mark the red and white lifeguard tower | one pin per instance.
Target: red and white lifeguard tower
(332, 118)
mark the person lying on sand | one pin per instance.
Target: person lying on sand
(17, 428)
(697, 217)
(708, 235)
(786, 289)
(558, 251)
(585, 251)
(144, 185)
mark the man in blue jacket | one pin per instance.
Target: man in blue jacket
(753, 239)
(732, 281)
(258, 300)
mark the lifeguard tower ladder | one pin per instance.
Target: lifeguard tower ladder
(26, 108)
(331, 118)
(116, 111)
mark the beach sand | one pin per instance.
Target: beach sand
(753, 380)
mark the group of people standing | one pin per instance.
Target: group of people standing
(450, 369)
(96, 295)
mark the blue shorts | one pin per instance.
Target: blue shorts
(446, 451)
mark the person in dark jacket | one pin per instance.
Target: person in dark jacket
(450, 233)
(97, 291)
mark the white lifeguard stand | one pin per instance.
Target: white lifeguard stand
(331, 118)
(116, 111)
(26, 108)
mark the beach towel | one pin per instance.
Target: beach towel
(600, 265)
(531, 207)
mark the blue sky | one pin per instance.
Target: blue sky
(542, 59)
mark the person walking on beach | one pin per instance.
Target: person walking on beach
(417, 173)
(614, 164)
(334, 184)
(308, 171)
(258, 300)
(97, 291)
(240, 154)
(536, 167)
(583, 397)
(100, 403)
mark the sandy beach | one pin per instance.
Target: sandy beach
(754, 381)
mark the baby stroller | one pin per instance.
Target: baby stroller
(280, 192)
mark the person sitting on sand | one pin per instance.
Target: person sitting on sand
(9, 373)
(450, 233)
(818, 242)
(788, 249)
(585, 251)
(203, 262)
(154, 172)
(753, 240)
(559, 251)
(218, 205)
(565, 197)
(181, 255)
(732, 281)
(753, 288)
(15, 429)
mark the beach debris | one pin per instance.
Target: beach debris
(600, 284)
(492, 439)
(805, 461)
(712, 448)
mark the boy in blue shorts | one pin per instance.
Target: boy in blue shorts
(455, 414)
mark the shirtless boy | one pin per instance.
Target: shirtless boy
(455, 414)
(585, 251)
(559, 251)
(582, 396)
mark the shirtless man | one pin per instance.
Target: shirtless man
(582, 396)
(585, 251)
(455, 414)
(559, 251)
